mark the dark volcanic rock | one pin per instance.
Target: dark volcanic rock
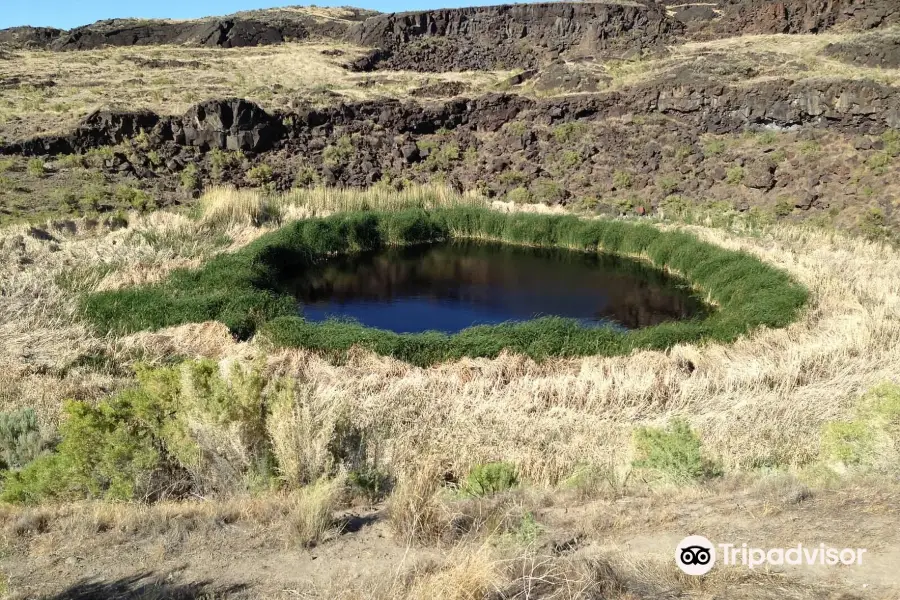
(510, 36)
(871, 50)
(232, 124)
(28, 37)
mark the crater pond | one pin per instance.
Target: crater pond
(450, 286)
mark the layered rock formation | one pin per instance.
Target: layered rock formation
(510, 36)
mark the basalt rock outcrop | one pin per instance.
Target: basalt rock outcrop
(882, 50)
(241, 30)
(510, 36)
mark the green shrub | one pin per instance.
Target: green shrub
(784, 207)
(36, 167)
(810, 147)
(515, 128)
(443, 157)
(183, 429)
(260, 175)
(714, 147)
(491, 478)
(20, 438)
(373, 484)
(623, 180)
(767, 137)
(675, 451)
(569, 132)
(569, 159)
(135, 198)
(548, 191)
(512, 178)
(847, 442)
(339, 153)
(891, 139)
(221, 162)
(306, 177)
(734, 175)
(519, 195)
(190, 178)
(667, 184)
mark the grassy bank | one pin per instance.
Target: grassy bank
(242, 289)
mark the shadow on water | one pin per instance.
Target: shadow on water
(450, 286)
(147, 586)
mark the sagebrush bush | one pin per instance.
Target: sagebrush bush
(20, 438)
(871, 440)
(491, 478)
(676, 451)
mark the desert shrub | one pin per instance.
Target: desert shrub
(767, 137)
(734, 175)
(442, 157)
(512, 178)
(623, 180)
(675, 452)
(221, 162)
(312, 510)
(891, 139)
(260, 175)
(873, 225)
(20, 438)
(569, 132)
(181, 429)
(135, 198)
(667, 184)
(190, 178)
(515, 128)
(871, 440)
(810, 147)
(490, 478)
(305, 177)
(339, 153)
(569, 159)
(714, 147)
(519, 195)
(371, 483)
(36, 167)
(548, 190)
(784, 207)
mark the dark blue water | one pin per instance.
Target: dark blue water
(451, 286)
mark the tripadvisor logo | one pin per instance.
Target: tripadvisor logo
(696, 555)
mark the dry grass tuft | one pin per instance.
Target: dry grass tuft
(313, 509)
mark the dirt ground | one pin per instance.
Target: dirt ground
(176, 553)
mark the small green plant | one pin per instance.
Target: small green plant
(548, 190)
(714, 147)
(667, 184)
(589, 203)
(675, 451)
(20, 438)
(470, 156)
(734, 175)
(622, 180)
(528, 529)
(767, 138)
(339, 153)
(784, 207)
(142, 141)
(372, 483)
(491, 478)
(879, 162)
(569, 132)
(154, 158)
(512, 178)
(137, 199)
(519, 195)
(220, 162)
(260, 175)
(891, 139)
(190, 178)
(306, 177)
(682, 152)
(873, 224)
(36, 167)
(569, 159)
(443, 157)
(847, 442)
(810, 147)
(515, 128)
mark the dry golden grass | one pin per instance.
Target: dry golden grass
(764, 57)
(275, 77)
(759, 401)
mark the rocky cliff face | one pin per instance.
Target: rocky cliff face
(257, 28)
(510, 36)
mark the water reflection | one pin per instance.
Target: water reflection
(448, 287)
